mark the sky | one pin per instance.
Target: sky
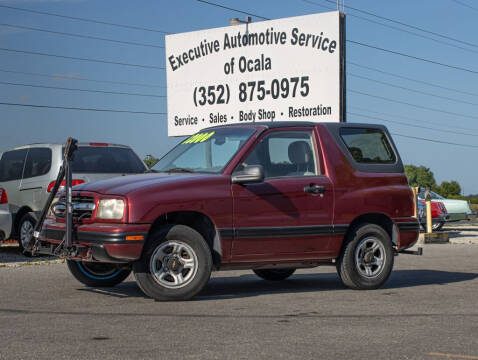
(417, 110)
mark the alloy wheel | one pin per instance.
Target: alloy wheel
(370, 257)
(173, 264)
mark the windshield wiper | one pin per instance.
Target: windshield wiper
(150, 171)
(178, 169)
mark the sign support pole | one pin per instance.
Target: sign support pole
(343, 73)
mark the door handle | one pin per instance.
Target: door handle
(314, 189)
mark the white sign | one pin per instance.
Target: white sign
(278, 70)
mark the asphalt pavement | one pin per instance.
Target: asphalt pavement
(427, 310)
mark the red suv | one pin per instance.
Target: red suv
(271, 197)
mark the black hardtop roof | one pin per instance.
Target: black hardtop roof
(283, 124)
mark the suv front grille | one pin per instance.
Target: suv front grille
(83, 206)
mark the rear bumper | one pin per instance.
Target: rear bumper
(5, 225)
(458, 216)
(118, 243)
(408, 231)
(441, 219)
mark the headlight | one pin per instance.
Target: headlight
(110, 209)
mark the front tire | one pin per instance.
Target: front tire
(367, 258)
(97, 274)
(25, 233)
(274, 274)
(176, 264)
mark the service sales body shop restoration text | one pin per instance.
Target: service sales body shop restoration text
(287, 69)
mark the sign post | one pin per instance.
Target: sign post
(290, 69)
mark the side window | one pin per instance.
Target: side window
(369, 146)
(38, 162)
(285, 153)
(11, 165)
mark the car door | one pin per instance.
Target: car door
(36, 178)
(289, 215)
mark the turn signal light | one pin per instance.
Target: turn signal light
(134, 237)
(3, 196)
(73, 183)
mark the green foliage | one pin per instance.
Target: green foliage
(449, 189)
(150, 161)
(423, 177)
(420, 176)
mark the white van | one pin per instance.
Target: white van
(28, 173)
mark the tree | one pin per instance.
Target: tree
(150, 161)
(449, 189)
(420, 176)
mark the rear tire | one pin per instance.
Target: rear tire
(176, 264)
(367, 258)
(274, 274)
(97, 274)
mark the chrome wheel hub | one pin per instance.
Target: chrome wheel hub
(26, 233)
(173, 264)
(370, 257)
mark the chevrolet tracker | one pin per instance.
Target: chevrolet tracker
(270, 197)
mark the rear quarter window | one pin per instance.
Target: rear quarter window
(38, 162)
(107, 160)
(368, 146)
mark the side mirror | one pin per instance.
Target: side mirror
(250, 174)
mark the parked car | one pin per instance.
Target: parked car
(457, 209)
(439, 214)
(5, 216)
(28, 173)
(271, 197)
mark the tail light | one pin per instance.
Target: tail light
(73, 183)
(3, 196)
(98, 144)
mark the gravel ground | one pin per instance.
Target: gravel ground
(463, 232)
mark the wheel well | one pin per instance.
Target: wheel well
(379, 219)
(18, 217)
(199, 222)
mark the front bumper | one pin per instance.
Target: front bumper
(111, 243)
(436, 220)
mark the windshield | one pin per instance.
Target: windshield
(208, 151)
(107, 160)
(433, 195)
